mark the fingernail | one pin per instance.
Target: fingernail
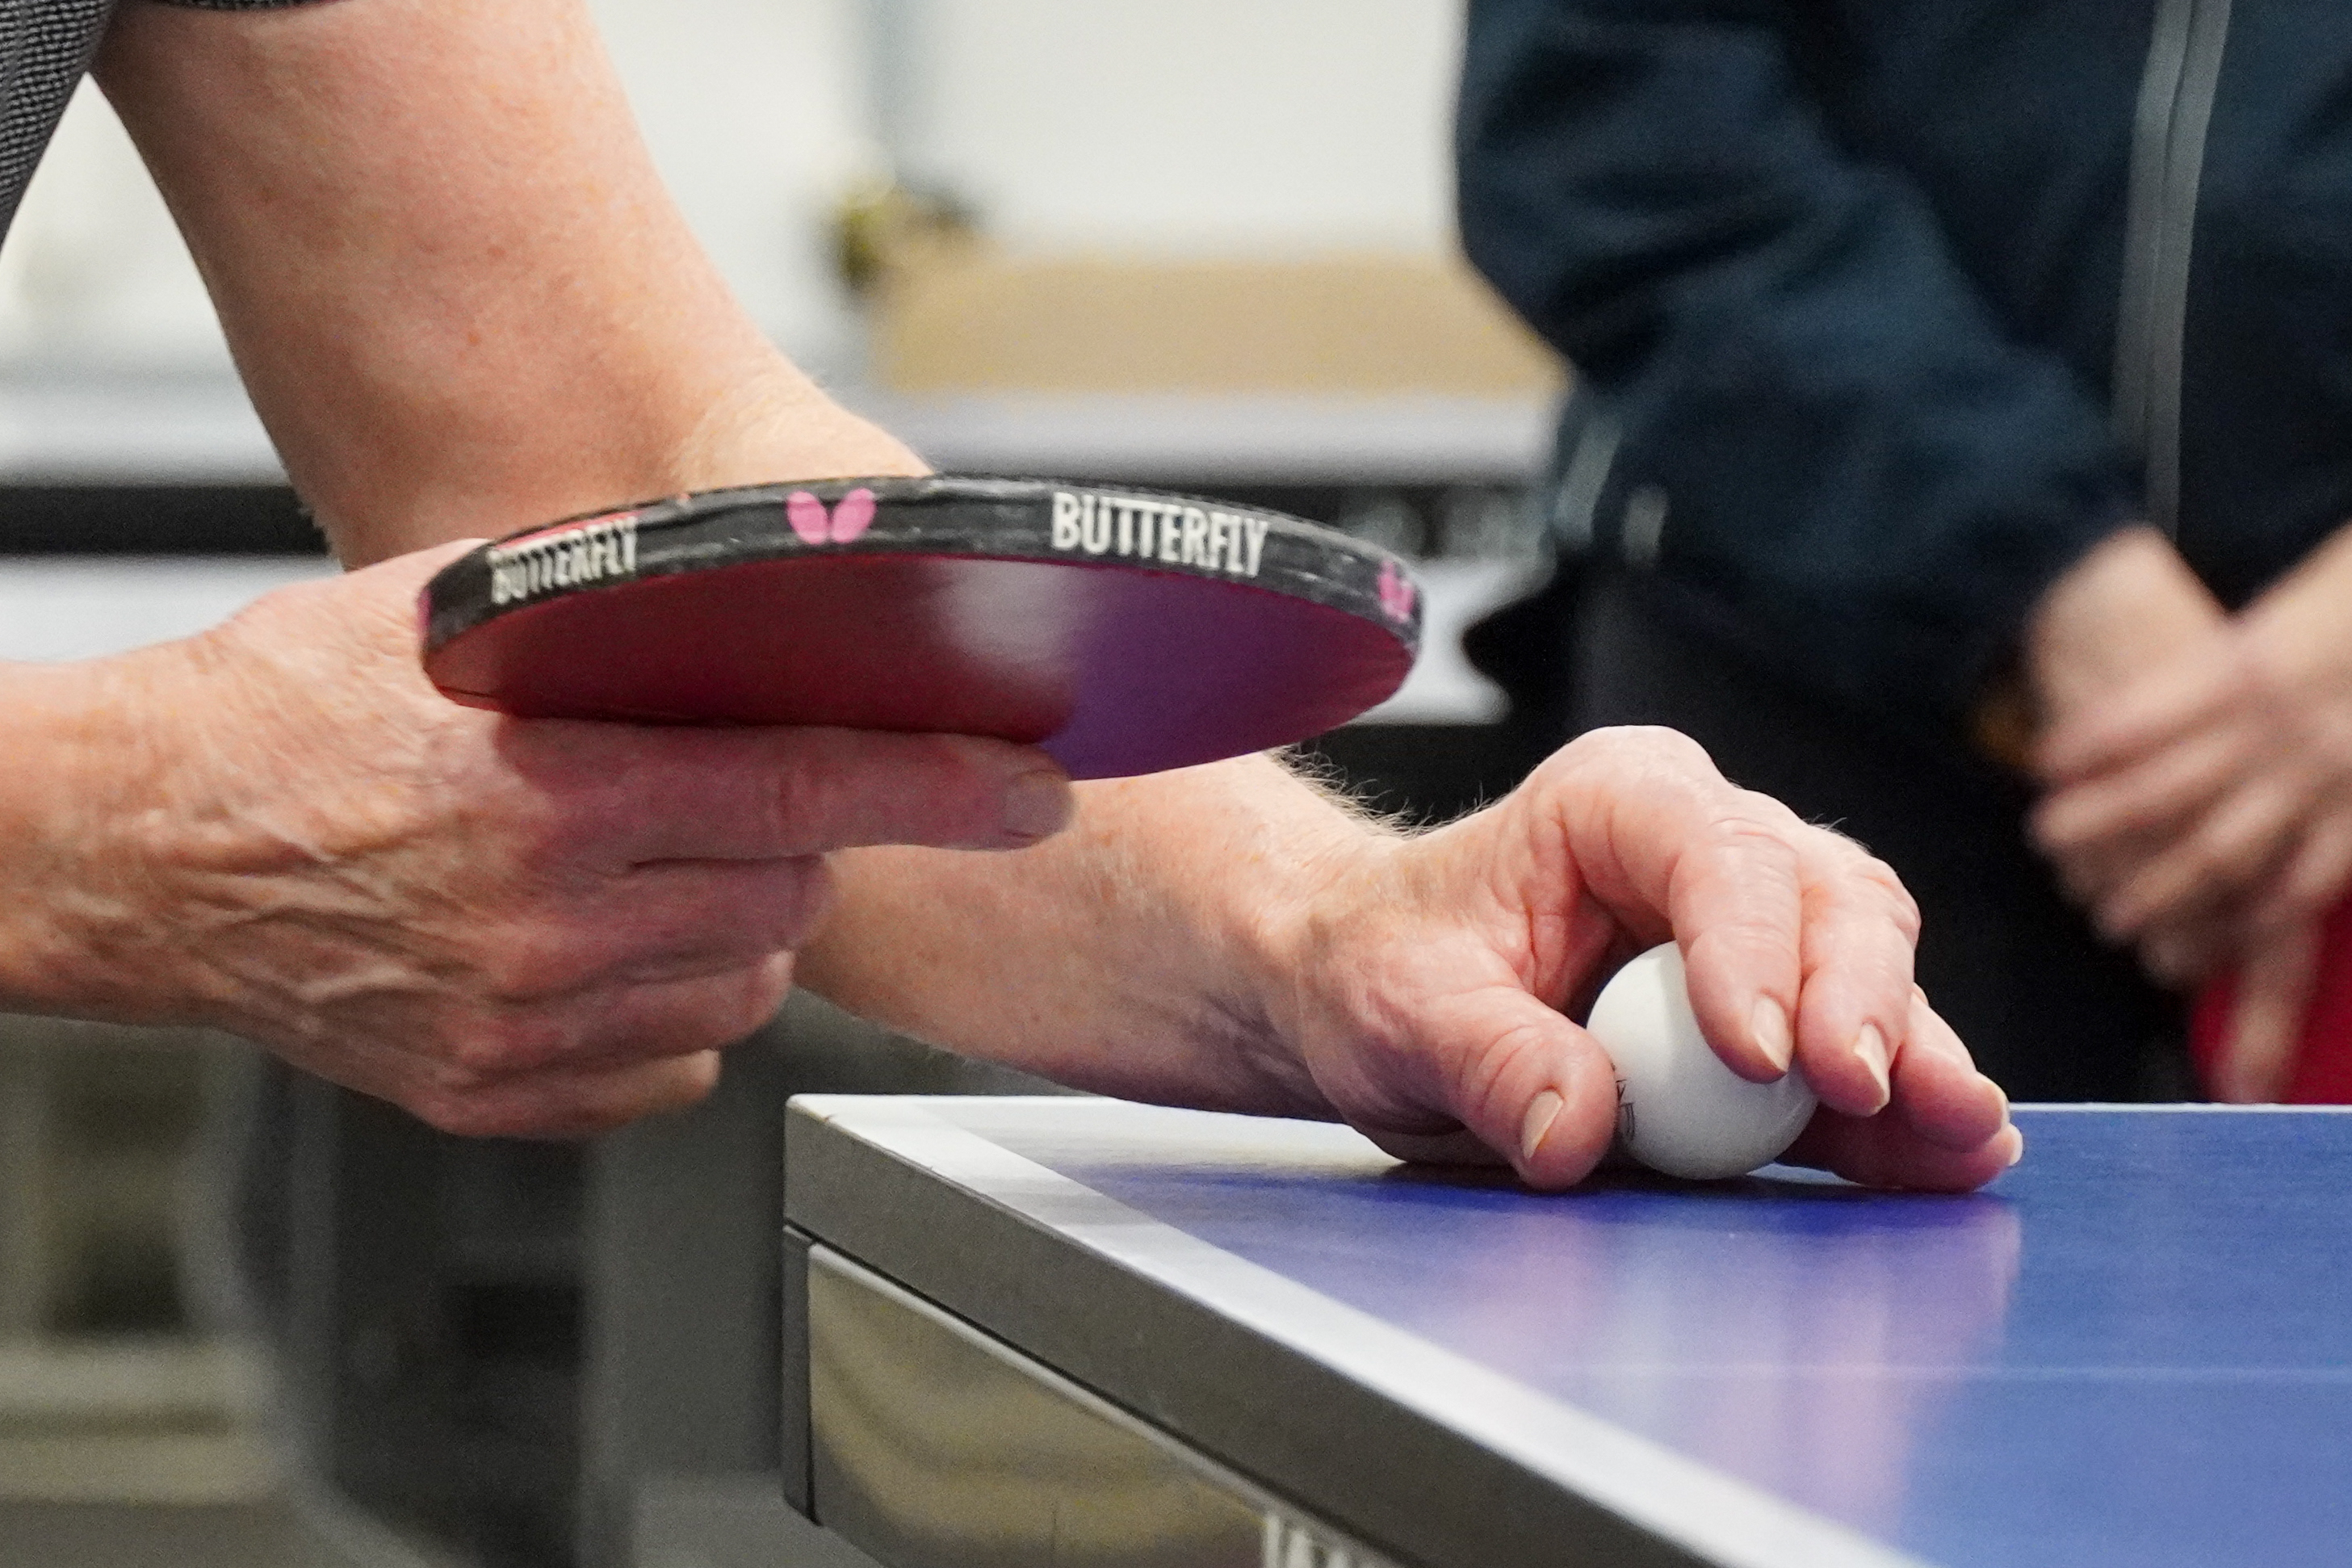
(1768, 1024)
(1542, 1111)
(2016, 1147)
(1871, 1046)
(1036, 805)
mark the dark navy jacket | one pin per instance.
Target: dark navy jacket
(1886, 310)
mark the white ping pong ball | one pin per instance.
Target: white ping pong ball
(1679, 1109)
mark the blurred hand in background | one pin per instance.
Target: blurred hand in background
(2199, 770)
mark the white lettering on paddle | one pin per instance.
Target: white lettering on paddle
(1094, 524)
(567, 557)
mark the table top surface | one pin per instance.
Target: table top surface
(2134, 1349)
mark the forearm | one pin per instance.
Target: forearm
(1147, 951)
(458, 291)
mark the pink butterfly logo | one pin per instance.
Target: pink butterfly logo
(1397, 593)
(850, 517)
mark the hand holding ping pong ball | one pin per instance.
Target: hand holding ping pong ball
(1679, 1109)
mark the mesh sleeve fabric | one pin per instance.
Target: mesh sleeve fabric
(45, 50)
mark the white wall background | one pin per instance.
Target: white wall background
(93, 273)
(1212, 126)
(1219, 127)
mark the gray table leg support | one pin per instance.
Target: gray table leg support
(683, 1266)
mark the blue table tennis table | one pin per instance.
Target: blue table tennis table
(1083, 1332)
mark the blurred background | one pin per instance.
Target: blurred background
(246, 1319)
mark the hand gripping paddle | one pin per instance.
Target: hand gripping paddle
(1124, 631)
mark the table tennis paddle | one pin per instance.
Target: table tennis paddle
(1124, 631)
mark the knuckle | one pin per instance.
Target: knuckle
(711, 1014)
(1672, 746)
(2246, 855)
(1772, 813)
(479, 1057)
(462, 1112)
(842, 782)
(1886, 885)
(529, 961)
(745, 1007)
(498, 1045)
(540, 834)
(692, 1079)
(2222, 868)
(800, 894)
(2215, 863)
(803, 799)
(1740, 843)
(534, 805)
(1645, 746)
(1865, 877)
(2261, 673)
(912, 792)
(941, 788)
(1752, 835)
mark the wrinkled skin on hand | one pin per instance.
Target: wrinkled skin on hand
(2204, 809)
(1439, 978)
(2214, 795)
(505, 926)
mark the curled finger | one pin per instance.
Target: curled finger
(629, 794)
(1888, 1151)
(611, 1027)
(1529, 1085)
(1937, 1088)
(1670, 847)
(2248, 834)
(576, 1102)
(2180, 697)
(2275, 982)
(672, 921)
(2313, 879)
(2152, 796)
(1738, 907)
(1860, 927)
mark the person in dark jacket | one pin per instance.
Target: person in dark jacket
(1964, 413)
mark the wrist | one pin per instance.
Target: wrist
(2295, 632)
(2130, 603)
(769, 423)
(1314, 996)
(779, 425)
(74, 938)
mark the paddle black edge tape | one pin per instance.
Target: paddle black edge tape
(1012, 519)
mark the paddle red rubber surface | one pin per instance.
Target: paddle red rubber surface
(1125, 632)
